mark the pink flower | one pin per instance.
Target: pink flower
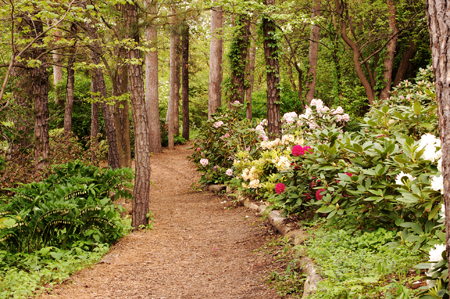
(318, 195)
(349, 174)
(298, 150)
(247, 149)
(198, 149)
(280, 188)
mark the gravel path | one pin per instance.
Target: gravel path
(198, 249)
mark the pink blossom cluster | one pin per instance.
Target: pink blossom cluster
(225, 136)
(204, 162)
(319, 196)
(289, 117)
(299, 150)
(260, 130)
(218, 124)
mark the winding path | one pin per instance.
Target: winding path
(198, 248)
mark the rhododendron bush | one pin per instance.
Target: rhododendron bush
(387, 174)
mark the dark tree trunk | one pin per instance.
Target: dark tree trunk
(151, 84)
(407, 55)
(174, 81)
(124, 113)
(70, 85)
(391, 46)
(94, 119)
(251, 73)
(273, 74)
(438, 14)
(140, 120)
(313, 53)
(185, 80)
(39, 93)
(215, 61)
(238, 58)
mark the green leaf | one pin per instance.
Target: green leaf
(326, 209)
(422, 266)
(9, 222)
(417, 108)
(385, 109)
(369, 279)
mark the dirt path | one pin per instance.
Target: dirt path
(197, 249)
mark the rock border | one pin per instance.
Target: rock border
(297, 236)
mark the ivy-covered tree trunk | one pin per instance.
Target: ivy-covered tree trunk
(390, 48)
(313, 54)
(273, 74)
(94, 118)
(39, 94)
(215, 61)
(140, 120)
(70, 84)
(251, 72)
(151, 84)
(238, 58)
(185, 79)
(438, 15)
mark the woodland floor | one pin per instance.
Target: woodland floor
(198, 248)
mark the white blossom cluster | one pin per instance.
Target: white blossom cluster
(218, 124)
(429, 142)
(398, 178)
(435, 257)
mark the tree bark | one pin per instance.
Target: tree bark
(174, 80)
(407, 55)
(94, 119)
(151, 84)
(57, 70)
(356, 53)
(140, 120)
(438, 14)
(176, 109)
(70, 85)
(273, 74)
(124, 113)
(185, 80)
(251, 73)
(39, 93)
(391, 46)
(313, 53)
(215, 61)
(238, 58)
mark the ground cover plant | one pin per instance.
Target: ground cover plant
(54, 227)
(384, 175)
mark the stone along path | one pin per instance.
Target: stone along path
(197, 249)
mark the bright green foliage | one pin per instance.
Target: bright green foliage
(360, 265)
(72, 205)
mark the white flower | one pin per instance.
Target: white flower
(317, 102)
(229, 172)
(339, 110)
(254, 184)
(439, 166)
(283, 163)
(263, 122)
(429, 142)
(435, 257)
(286, 139)
(218, 124)
(264, 137)
(204, 162)
(346, 117)
(442, 212)
(437, 183)
(398, 178)
(259, 128)
(245, 174)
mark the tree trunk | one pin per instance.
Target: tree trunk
(151, 85)
(313, 54)
(174, 80)
(238, 58)
(273, 74)
(404, 63)
(57, 70)
(140, 120)
(215, 61)
(94, 119)
(176, 110)
(185, 80)
(251, 73)
(70, 86)
(356, 54)
(39, 93)
(391, 46)
(438, 14)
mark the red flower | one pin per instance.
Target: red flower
(308, 196)
(298, 150)
(280, 188)
(349, 174)
(318, 195)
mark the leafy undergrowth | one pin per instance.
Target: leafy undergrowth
(24, 275)
(362, 265)
(55, 227)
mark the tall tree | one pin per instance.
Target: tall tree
(174, 83)
(251, 72)
(185, 79)
(151, 81)
(70, 82)
(140, 120)
(238, 57)
(438, 16)
(273, 73)
(94, 117)
(313, 52)
(215, 61)
(57, 68)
